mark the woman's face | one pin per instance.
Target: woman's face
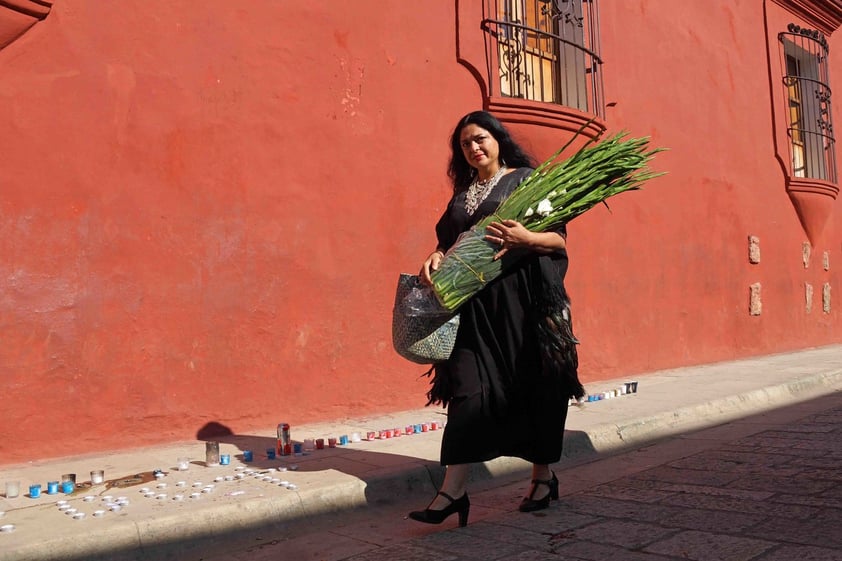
(479, 147)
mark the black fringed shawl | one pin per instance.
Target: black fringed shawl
(551, 305)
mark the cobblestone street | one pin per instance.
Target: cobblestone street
(765, 488)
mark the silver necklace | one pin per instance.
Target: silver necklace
(479, 190)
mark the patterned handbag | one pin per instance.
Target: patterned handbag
(423, 339)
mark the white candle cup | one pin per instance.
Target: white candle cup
(97, 477)
(12, 489)
(309, 444)
(183, 464)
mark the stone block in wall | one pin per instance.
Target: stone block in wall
(755, 305)
(753, 250)
(808, 296)
(826, 298)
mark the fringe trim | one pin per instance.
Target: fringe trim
(555, 332)
(439, 392)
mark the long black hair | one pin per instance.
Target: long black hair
(460, 171)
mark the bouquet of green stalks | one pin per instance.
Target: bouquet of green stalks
(555, 193)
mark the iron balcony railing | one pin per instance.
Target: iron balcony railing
(546, 50)
(810, 126)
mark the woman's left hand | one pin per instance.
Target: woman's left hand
(508, 234)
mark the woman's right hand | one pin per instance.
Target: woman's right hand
(430, 265)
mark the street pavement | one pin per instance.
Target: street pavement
(729, 461)
(763, 488)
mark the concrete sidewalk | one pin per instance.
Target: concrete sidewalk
(181, 510)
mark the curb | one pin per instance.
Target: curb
(612, 438)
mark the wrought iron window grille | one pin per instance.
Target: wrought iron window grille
(547, 51)
(807, 84)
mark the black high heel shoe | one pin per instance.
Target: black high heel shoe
(529, 504)
(461, 505)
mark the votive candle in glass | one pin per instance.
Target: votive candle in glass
(12, 489)
(97, 477)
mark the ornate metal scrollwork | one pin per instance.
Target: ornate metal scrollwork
(564, 10)
(823, 121)
(512, 61)
(814, 34)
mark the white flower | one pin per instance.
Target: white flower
(529, 212)
(545, 207)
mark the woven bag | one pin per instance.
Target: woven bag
(421, 339)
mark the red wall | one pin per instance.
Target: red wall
(204, 208)
(664, 281)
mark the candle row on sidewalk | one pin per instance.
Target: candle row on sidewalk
(312, 444)
(67, 485)
(626, 389)
(409, 430)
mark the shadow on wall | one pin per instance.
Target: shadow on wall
(17, 16)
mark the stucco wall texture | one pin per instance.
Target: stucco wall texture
(204, 207)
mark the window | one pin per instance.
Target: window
(809, 127)
(547, 51)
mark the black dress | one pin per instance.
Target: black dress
(503, 395)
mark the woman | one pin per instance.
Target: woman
(507, 383)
